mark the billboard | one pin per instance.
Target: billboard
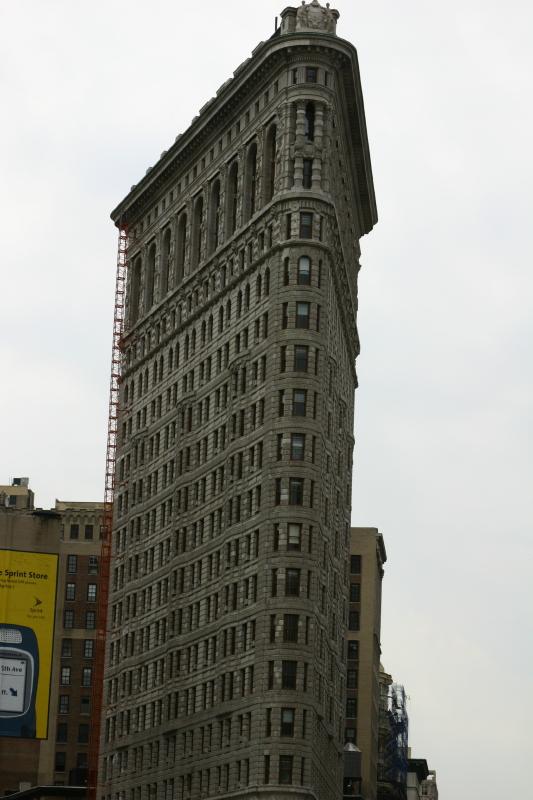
(27, 613)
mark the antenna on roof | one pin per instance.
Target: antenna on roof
(275, 23)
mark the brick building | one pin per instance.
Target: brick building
(72, 530)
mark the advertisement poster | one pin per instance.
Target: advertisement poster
(27, 614)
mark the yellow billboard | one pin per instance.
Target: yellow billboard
(28, 584)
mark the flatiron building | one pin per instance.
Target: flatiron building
(225, 665)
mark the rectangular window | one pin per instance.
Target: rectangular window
(85, 704)
(74, 531)
(290, 627)
(301, 357)
(355, 565)
(266, 770)
(283, 358)
(274, 583)
(308, 173)
(299, 400)
(60, 762)
(355, 592)
(64, 703)
(351, 708)
(88, 648)
(297, 446)
(285, 769)
(65, 676)
(289, 670)
(296, 491)
(68, 618)
(288, 226)
(306, 225)
(294, 536)
(61, 732)
(311, 74)
(72, 564)
(93, 565)
(91, 592)
(284, 315)
(83, 733)
(351, 679)
(349, 736)
(287, 722)
(353, 650)
(353, 620)
(89, 532)
(90, 620)
(302, 315)
(304, 271)
(70, 593)
(270, 683)
(66, 648)
(86, 677)
(292, 582)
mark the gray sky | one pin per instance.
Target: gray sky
(91, 93)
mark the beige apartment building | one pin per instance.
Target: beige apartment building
(72, 531)
(363, 650)
(225, 671)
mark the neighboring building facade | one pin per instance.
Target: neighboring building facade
(72, 530)
(363, 650)
(17, 494)
(393, 744)
(225, 666)
(417, 774)
(429, 787)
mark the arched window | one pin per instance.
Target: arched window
(165, 263)
(267, 281)
(214, 216)
(193, 341)
(309, 122)
(186, 348)
(182, 235)
(150, 279)
(269, 168)
(304, 271)
(126, 394)
(250, 182)
(170, 360)
(239, 304)
(258, 288)
(197, 231)
(247, 296)
(135, 289)
(210, 327)
(228, 312)
(203, 331)
(220, 319)
(232, 199)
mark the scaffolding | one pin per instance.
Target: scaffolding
(393, 743)
(107, 522)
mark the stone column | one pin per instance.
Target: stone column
(316, 184)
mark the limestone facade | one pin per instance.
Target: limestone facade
(225, 669)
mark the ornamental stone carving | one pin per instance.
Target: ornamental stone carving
(314, 17)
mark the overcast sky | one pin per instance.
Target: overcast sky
(92, 93)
